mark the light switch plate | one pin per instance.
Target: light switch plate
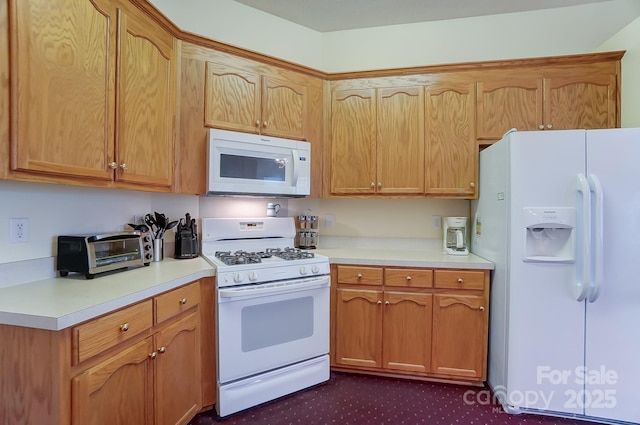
(436, 222)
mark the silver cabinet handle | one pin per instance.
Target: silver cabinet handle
(124, 327)
(265, 124)
(481, 308)
(549, 126)
(359, 275)
(472, 184)
(409, 278)
(257, 123)
(460, 281)
(379, 302)
(183, 301)
(373, 184)
(387, 303)
(379, 184)
(113, 165)
(153, 355)
(162, 349)
(541, 127)
(123, 166)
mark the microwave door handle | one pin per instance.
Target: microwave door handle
(296, 165)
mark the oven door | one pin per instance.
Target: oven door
(252, 165)
(267, 327)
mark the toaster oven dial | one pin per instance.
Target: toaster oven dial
(303, 270)
(237, 277)
(253, 276)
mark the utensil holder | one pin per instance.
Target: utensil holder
(158, 249)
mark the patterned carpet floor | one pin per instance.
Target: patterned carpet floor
(352, 399)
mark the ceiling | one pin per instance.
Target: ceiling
(336, 15)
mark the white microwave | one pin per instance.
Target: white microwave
(257, 165)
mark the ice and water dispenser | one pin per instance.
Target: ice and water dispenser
(550, 234)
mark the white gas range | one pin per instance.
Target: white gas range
(272, 310)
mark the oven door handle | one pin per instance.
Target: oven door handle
(275, 288)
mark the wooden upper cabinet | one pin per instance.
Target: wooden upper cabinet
(505, 104)
(63, 59)
(284, 107)
(146, 101)
(451, 149)
(400, 140)
(580, 102)
(353, 141)
(243, 100)
(232, 98)
(65, 121)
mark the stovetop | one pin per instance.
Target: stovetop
(257, 250)
(242, 257)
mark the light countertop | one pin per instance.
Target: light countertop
(399, 252)
(58, 303)
(429, 258)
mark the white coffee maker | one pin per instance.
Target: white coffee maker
(455, 236)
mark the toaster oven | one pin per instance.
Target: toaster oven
(94, 254)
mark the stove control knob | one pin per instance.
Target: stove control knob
(303, 270)
(237, 277)
(253, 276)
(315, 269)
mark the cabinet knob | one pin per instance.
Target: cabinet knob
(472, 184)
(409, 278)
(124, 327)
(481, 308)
(153, 355)
(162, 349)
(113, 165)
(379, 184)
(265, 124)
(549, 126)
(541, 127)
(387, 303)
(460, 280)
(183, 301)
(379, 302)
(373, 184)
(257, 123)
(359, 275)
(123, 166)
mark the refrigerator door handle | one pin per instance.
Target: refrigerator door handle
(584, 261)
(597, 278)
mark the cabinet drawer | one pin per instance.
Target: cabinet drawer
(415, 278)
(176, 301)
(93, 337)
(459, 279)
(360, 275)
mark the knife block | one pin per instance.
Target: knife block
(186, 246)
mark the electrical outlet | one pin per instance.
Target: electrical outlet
(329, 220)
(18, 230)
(436, 222)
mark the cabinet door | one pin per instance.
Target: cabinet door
(459, 337)
(118, 391)
(359, 334)
(406, 332)
(353, 147)
(232, 98)
(178, 381)
(146, 105)
(506, 104)
(580, 102)
(451, 150)
(62, 76)
(400, 140)
(284, 107)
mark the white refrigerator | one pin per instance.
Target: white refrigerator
(559, 215)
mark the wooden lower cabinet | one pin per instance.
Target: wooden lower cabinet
(162, 375)
(118, 391)
(413, 322)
